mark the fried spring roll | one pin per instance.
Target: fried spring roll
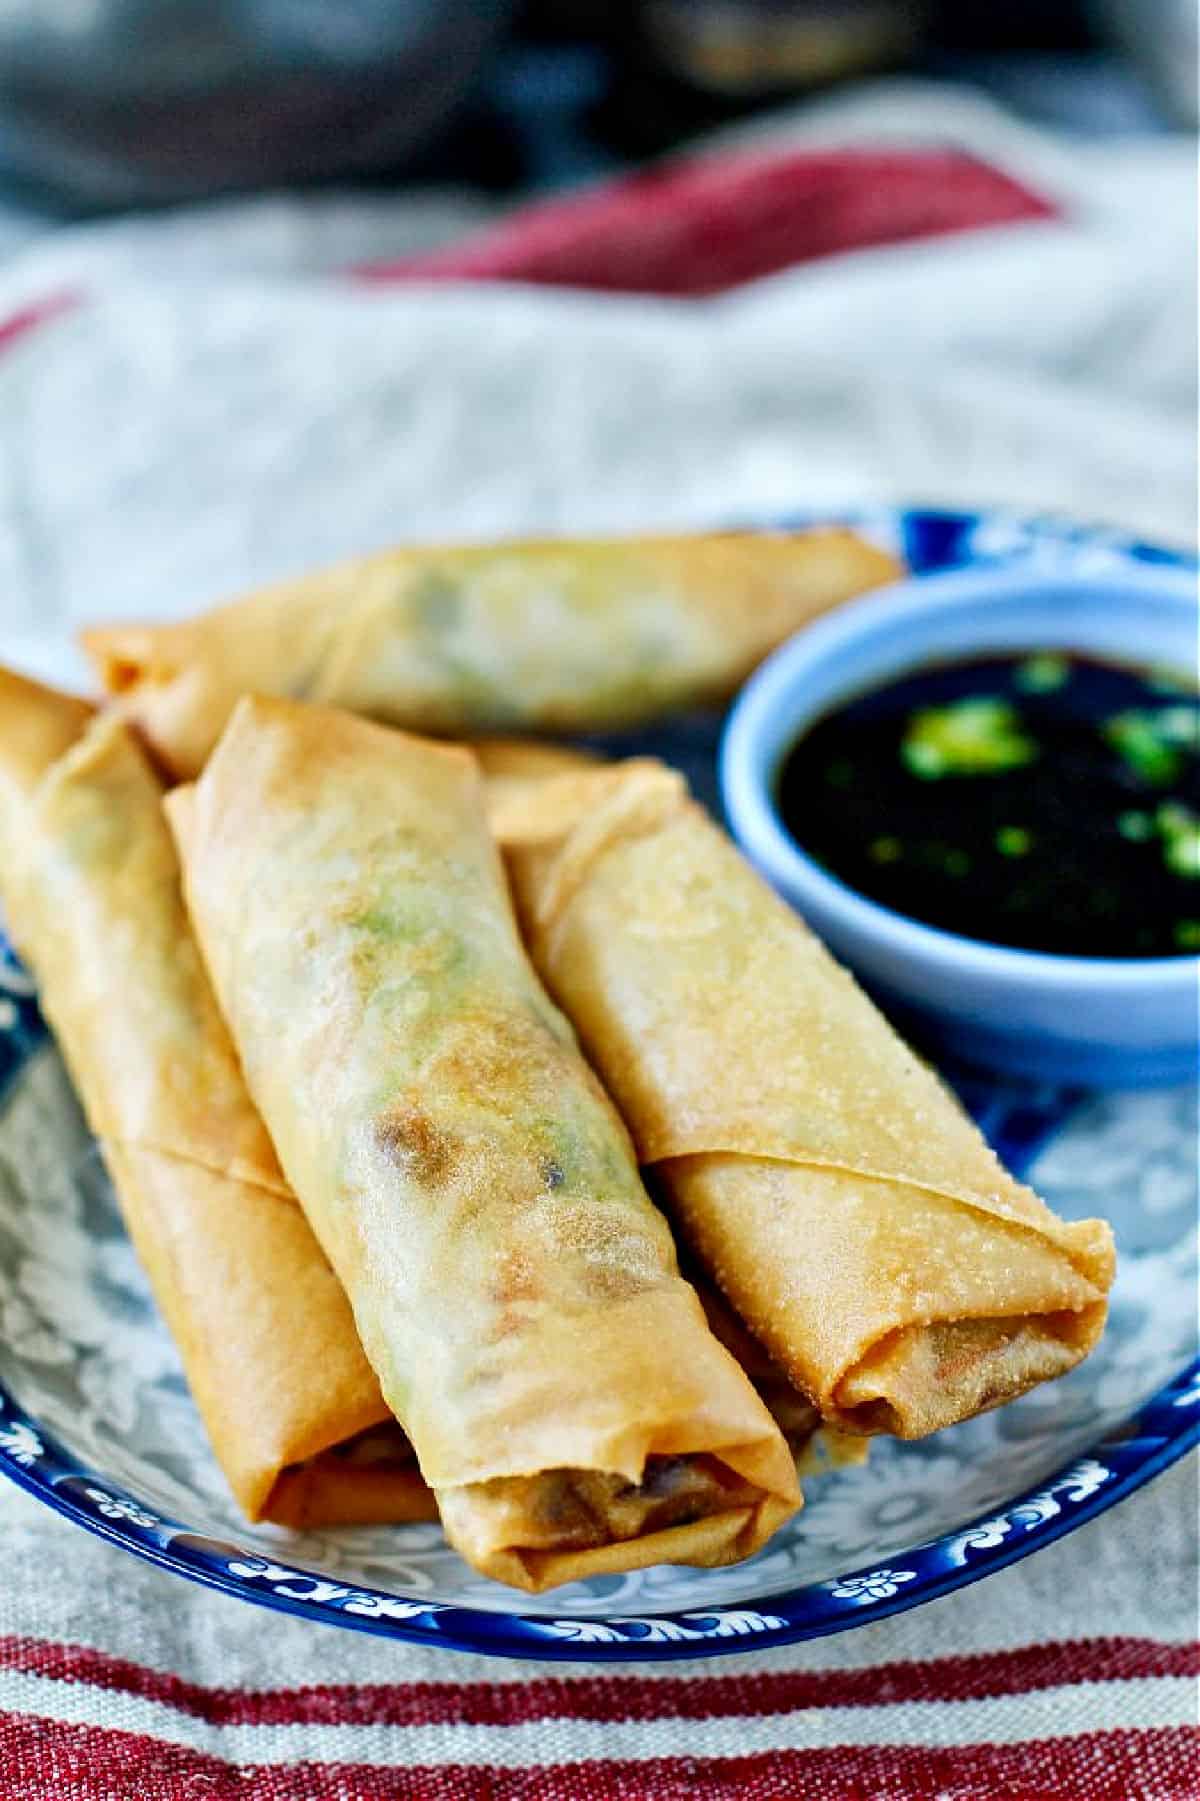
(514, 1287)
(566, 636)
(815, 1446)
(91, 884)
(819, 1172)
(507, 763)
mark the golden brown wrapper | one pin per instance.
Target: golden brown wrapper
(369, 1480)
(818, 1171)
(528, 759)
(815, 1445)
(508, 764)
(565, 635)
(514, 1287)
(91, 884)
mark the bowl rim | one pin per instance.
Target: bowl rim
(746, 768)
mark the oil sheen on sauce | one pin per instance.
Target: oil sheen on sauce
(1044, 800)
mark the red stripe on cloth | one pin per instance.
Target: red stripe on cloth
(614, 1697)
(37, 313)
(704, 224)
(42, 1761)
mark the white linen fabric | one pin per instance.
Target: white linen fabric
(223, 408)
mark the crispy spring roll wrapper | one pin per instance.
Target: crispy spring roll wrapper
(183, 1212)
(543, 636)
(814, 1445)
(529, 759)
(817, 1170)
(91, 883)
(514, 1287)
(507, 763)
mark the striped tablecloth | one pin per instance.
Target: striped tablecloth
(1072, 1676)
(162, 441)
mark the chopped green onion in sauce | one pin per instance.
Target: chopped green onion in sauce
(1043, 673)
(1145, 744)
(1014, 841)
(978, 733)
(1179, 830)
(1047, 800)
(1135, 825)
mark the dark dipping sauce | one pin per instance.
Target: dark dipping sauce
(1044, 800)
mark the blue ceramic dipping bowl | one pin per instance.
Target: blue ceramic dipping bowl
(1106, 1022)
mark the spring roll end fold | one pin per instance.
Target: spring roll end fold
(924, 1336)
(177, 711)
(925, 1377)
(369, 1480)
(473, 1524)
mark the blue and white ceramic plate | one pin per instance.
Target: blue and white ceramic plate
(95, 1418)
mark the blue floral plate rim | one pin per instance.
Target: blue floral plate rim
(1164, 1429)
(1160, 1433)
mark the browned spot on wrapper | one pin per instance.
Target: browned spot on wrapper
(484, 1061)
(410, 1138)
(513, 1287)
(611, 1282)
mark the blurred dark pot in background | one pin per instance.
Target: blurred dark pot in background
(1162, 38)
(107, 103)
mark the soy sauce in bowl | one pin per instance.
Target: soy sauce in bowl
(1047, 801)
